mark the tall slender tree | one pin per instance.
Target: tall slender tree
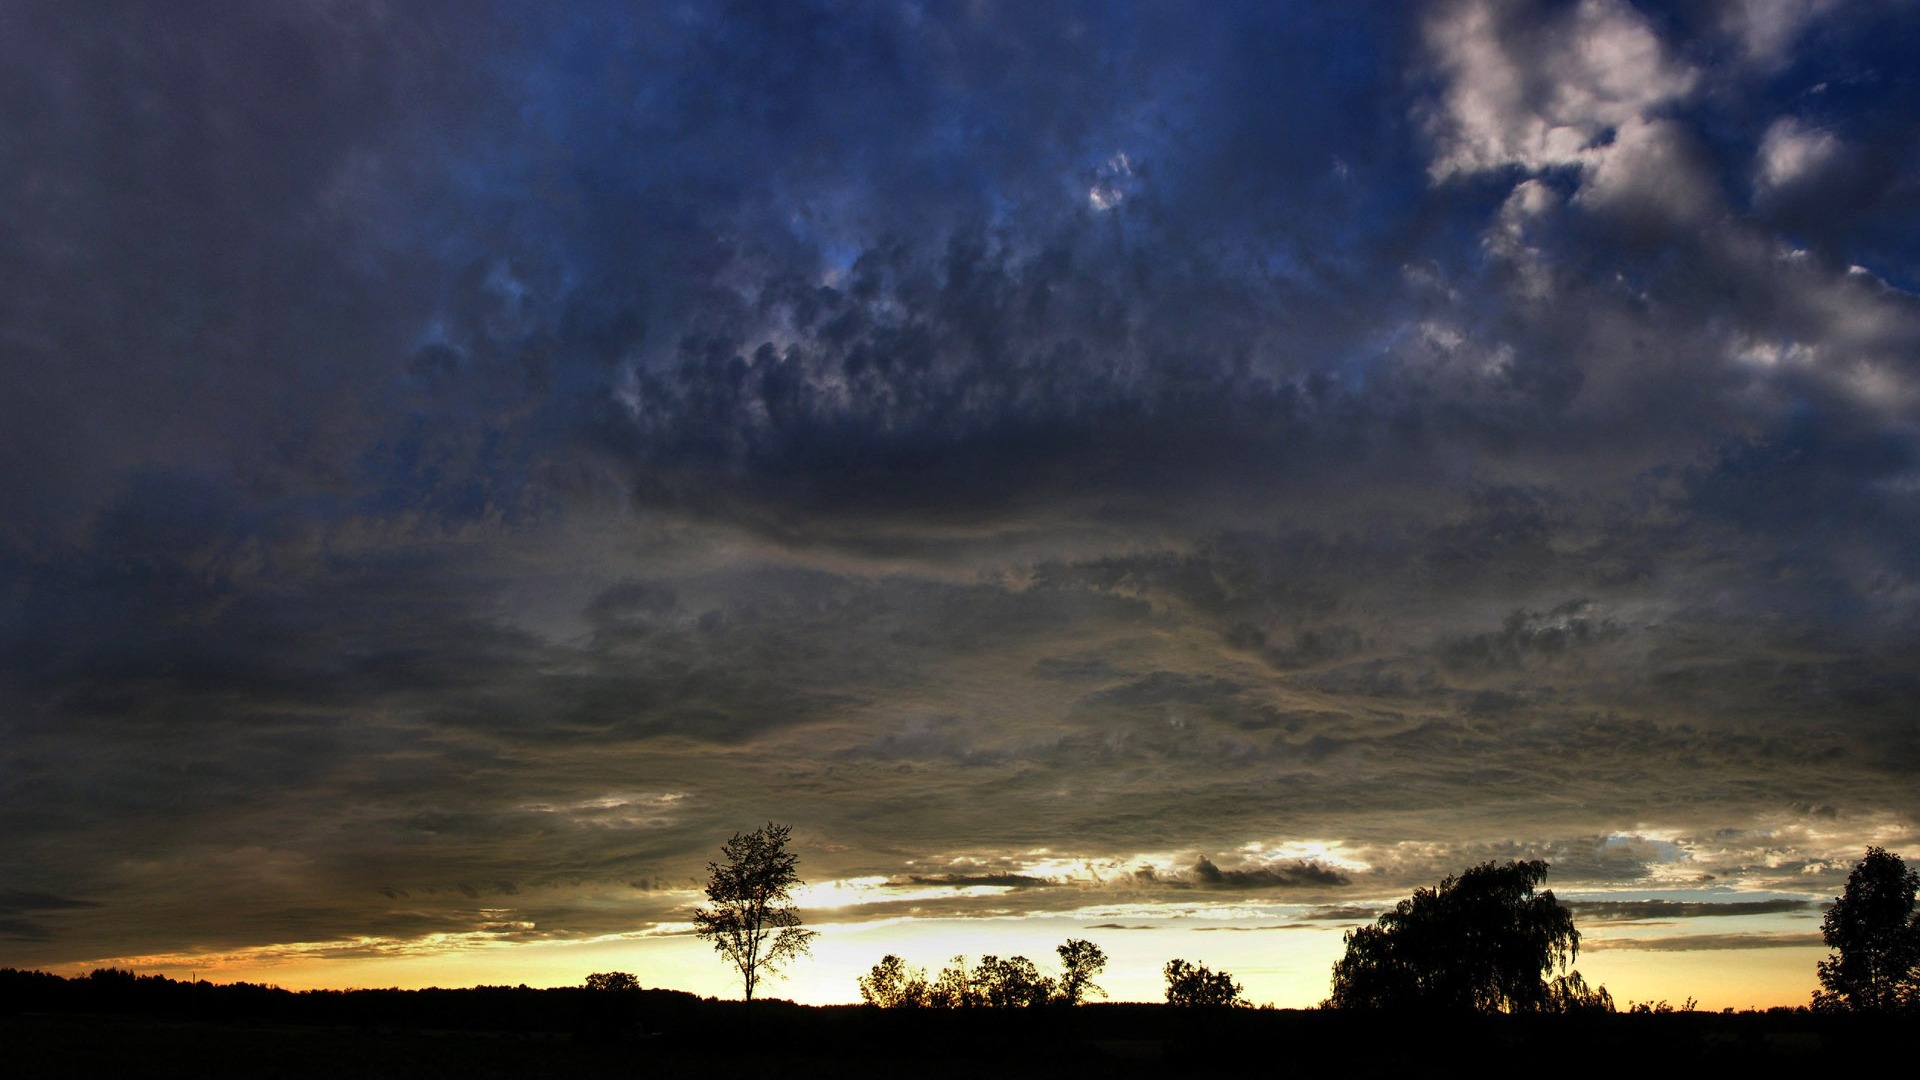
(749, 916)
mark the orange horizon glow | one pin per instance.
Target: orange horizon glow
(1286, 968)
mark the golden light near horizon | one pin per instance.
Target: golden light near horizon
(1279, 958)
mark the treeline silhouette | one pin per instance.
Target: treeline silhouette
(578, 1010)
(1431, 985)
(993, 983)
(1483, 942)
(153, 1026)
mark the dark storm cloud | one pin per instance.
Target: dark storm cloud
(186, 225)
(21, 912)
(960, 881)
(1527, 635)
(1346, 913)
(1708, 942)
(469, 459)
(1660, 910)
(1205, 874)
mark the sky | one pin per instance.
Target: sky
(1181, 477)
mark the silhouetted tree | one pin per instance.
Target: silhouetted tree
(894, 984)
(1569, 995)
(1875, 938)
(752, 921)
(1080, 961)
(1192, 986)
(955, 988)
(1010, 983)
(1481, 942)
(610, 1012)
(1013, 983)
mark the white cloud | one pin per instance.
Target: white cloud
(1541, 94)
(1584, 89)
(1790, 152)
(620, 810)
(1652, 171)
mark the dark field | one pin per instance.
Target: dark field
(166, 1029)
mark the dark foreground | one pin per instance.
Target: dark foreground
(188, 1030)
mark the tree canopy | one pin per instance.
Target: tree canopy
(751, 919)
(1011, 983)
(612, 982)
(894, 984)
(1482, 942)
(1080, 961)
(1875, 937)
(1192, 986)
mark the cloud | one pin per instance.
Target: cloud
(1542, 92)
(962, 881)
(1204, 874)
(1275, 926)
(1707, 942)
(1767, 30)
(1651, 180)
(1531, 636)
(1207, 874)
(1662, 910)
(22, 912)
(1791, 153)
(487, 461)
(1346, 913)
